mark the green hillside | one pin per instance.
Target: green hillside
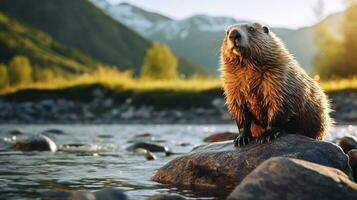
(41, 49)
(78, 23)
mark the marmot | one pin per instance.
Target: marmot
(266, 90)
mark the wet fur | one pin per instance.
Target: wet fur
(278, 92)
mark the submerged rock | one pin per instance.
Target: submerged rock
(16, 131)
(144, 137)
(286, 178)
(221, 165)
(347, 143)
(53, 131)
(36, 143)
(79, 148)
(110, 194)
(167, 197)
(218, 137)
(150, 147)
(105, 194)
(148, 154)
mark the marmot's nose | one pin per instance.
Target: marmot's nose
(235, 35)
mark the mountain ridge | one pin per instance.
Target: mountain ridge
(82, 25)
(198, 37)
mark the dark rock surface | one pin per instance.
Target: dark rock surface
(286, 178)
(221, 165)
(36, 143)
(352, 154)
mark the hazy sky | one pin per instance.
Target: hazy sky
(285, 13)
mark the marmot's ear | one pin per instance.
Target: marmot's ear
(266, 29)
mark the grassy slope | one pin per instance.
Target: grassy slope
(160, 94)
(42, 50)
(80, 24)
(120, 86)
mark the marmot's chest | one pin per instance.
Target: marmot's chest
(251, 93)
(254, 101)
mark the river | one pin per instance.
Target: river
(34, 175)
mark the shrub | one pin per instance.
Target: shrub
(4, 79)
(20, 70)
(159, 63)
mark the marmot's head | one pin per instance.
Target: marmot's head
(250, 43)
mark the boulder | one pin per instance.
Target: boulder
(347, 143)
(221, 165)
(218, 137)
(36, 143)
(352, 155)
(287, 178)
(150, 147)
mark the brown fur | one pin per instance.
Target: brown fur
(277, 91)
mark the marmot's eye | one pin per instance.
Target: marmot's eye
(251, 29)
(227, 31)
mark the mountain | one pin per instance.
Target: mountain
(42, 50)
(80, 24)
(198, 37)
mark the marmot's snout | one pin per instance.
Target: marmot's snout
(236, 38)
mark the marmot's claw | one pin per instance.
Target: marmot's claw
(268, 136)
(242, 140)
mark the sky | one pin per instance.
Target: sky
(282, 13)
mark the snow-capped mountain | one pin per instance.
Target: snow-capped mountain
(180, 29)
(198, 37)
(150, 23)
(187, 37)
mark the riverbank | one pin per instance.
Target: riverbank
(98, 104)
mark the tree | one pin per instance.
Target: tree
(42, 74)
(159, 63)
(350, 43)
(328, 59)
(20, 70)
(336, 54)
(4, 79)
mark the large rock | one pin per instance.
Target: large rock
(36, 143)
(347, 143)
(286, 178)
(223, 166)
(352, 155)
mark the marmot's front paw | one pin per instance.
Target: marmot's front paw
(242, 139)
(268, 136)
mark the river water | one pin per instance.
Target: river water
(35, 175)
